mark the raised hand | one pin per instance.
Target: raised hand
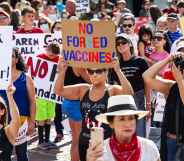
(62, 65)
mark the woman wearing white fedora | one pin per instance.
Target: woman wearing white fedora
(124, 145)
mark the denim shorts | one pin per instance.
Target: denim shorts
(171, 149)
(72, 109)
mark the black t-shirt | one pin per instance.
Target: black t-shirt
(5, 147)
(133, 70)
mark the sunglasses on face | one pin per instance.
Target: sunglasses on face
(158, 38)
(181, 50)
(97, 71)
(127, 25)
(123, 42)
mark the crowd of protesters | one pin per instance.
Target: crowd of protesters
(147, 61)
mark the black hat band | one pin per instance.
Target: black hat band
(122, 107)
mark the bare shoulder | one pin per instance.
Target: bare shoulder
(84, 88)
(28, 77)
(113, 89)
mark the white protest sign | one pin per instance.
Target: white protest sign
(82, 6)
(159, 107)
(22, 134)
(35, 43)
(6, 45)
(44, 76)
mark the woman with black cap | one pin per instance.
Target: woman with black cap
(133, 67)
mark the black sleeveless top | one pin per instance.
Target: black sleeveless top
(169, 120)
(89, 110)
(5, 147)
(170, 109)
(71, 78)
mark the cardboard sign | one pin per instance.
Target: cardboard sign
(159, 107)
(88, 44)
(44, 76)
(6, 45)
(82, 6)
(35, 43)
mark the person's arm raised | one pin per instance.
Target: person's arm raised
(153, 81)
(125, 86)
(12, 129)
(72, 92)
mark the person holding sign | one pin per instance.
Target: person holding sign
(93, 98)
(46, 108)
(8, 133)
(124, 145)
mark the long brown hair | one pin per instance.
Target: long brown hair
(3, 118)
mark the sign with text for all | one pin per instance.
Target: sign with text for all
(43, 73)
(6, 46)
(159, 107)
(35, 43)
(88, 44)
(82, 6)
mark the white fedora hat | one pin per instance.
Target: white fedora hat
(121, 105)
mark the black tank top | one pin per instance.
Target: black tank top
(5, 147)
(71, 78)
(89, 110)
(170, 109)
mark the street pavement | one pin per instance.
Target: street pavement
(62, 153)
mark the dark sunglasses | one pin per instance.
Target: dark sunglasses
(97, 71)
(158, 38)
(2, 106)
(181, 49)
(123, 42)
(127, 25)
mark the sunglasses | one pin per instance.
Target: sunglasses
(123, 42)
(97, 71)
(158, 38)
(181, 49)
(127, 25)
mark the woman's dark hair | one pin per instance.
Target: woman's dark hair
(144, 30)
(111, 118)
(3, 118)
(20, 65)
(54, 25)
(155, 13)
(15, 19)
(54, 48)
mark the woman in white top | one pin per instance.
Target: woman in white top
(124, 145)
